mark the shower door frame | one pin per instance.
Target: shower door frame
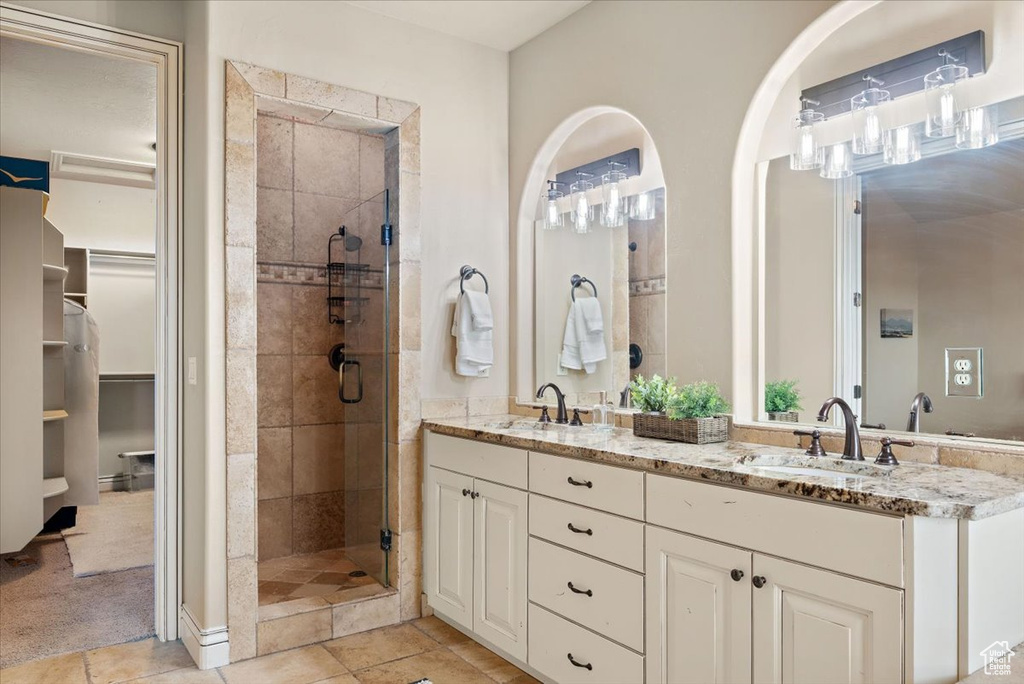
(166, 55)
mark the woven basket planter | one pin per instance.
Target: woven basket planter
(784, 416)
(690, 430)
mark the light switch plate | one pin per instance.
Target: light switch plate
(964, 377)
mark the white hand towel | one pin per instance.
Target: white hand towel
(592, 347)
(591, 309)
(479, 309)
(474, 349)
(571, 343)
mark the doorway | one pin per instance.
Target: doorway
(142, 392)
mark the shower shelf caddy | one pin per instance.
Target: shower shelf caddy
(344, 280)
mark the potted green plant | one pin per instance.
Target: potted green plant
(652, 396)
(782, 400)
(700, 411)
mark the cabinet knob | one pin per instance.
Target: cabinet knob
(572, 528)
(759, 581)
(574, 590)
(578, 663)
(473, 495)
(465, 492)
(580, 483)
(736, 575)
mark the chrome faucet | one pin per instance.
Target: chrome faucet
(851, 450)
(562, 418)
(921, 401)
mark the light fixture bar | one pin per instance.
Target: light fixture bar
(629, 159)
(902, 75)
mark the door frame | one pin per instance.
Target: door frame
(167, 57)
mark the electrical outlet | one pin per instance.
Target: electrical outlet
(192, 370)
(559, 369)
(964, 372)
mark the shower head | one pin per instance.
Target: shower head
(353, 242)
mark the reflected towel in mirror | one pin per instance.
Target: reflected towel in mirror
(582, 350)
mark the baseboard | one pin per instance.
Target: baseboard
(113, 483)
(208, 648)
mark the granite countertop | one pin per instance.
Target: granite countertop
(907, 489)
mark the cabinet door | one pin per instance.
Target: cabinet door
(448, 551)
(698, 613)
(500, 567)
(816, 627)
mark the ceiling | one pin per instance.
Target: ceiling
(500, 24)
(73, 101)
(957, 185)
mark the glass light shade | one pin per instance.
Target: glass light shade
(613, 212)
(869, 121)
(978, 127)
(642, 208)
(902, 145)
(837, 162)
(582, 212)
(806, 154)
(943, 97)
(553, 217)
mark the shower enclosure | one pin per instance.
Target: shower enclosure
(322, 251)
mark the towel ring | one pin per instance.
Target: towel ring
(577, 281)
(467, 272)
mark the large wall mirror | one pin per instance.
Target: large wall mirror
(599, 275)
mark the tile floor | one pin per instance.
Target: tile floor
(391, 655)
(314, 574)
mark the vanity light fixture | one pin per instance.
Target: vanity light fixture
(978, 127)
(612, 210)
(807, 154)
(553, 218)
(582, 212)
(837, 162)
(943, 94)
(642, 208)
(902, 145)
(869, 129)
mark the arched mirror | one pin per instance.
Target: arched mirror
(599, 277)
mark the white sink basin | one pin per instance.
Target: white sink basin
(814, 466)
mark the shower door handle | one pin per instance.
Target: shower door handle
(342, 374)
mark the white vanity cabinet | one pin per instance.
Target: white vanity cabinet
(474, 557)
(580, 571)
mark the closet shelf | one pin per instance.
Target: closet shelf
(54, 486)
(51, 272)
(56, 414)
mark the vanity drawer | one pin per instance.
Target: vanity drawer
(610, 537)
(552, 639)
(857, 543)
(615, 606)
(616, 490)
(492, 462)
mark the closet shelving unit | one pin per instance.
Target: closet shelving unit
(76, 285)
(54, 413)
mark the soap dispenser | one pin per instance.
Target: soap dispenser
(603, 414)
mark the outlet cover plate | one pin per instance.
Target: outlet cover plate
(964, 377)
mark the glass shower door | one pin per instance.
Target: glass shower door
(364, 386)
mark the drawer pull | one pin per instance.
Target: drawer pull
(580, 483)
(574, 590)
(578, 663)
(736, 575)
(759, 581)
(573, 528)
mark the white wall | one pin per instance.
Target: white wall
(102, 216)
(687, 71)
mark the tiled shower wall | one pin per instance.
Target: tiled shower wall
(319, 461)
(647, 290)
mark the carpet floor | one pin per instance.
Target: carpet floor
(45, 610)
(115, 535)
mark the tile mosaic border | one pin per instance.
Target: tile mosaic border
(248, 89)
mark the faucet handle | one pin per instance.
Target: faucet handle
(544, 417)
(885, 456)
(815, 449)
(576, 410)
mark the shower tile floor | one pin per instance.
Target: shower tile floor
(326, 573)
